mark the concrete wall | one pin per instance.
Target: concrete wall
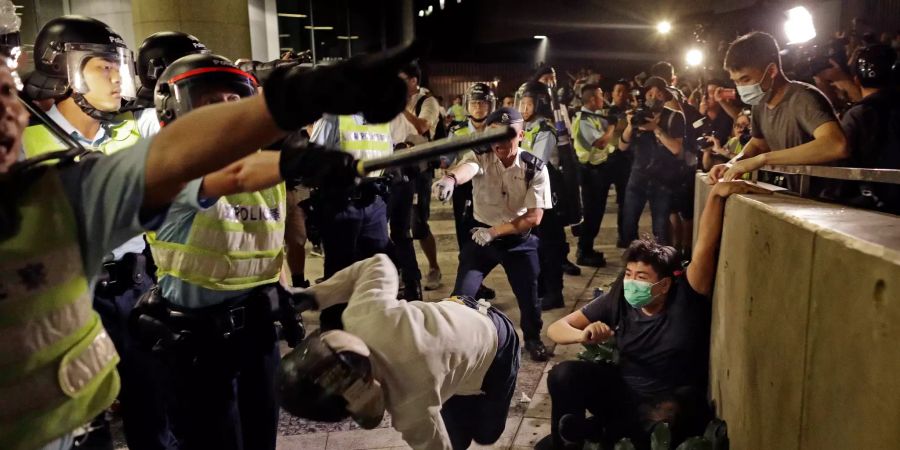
(806, 325)
(223, 25)
(115, 13)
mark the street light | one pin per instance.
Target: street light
(540, 37)
(799, 26)
(694, 57)
(664, 27)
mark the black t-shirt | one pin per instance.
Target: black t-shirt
(663, 351)
(652, 159)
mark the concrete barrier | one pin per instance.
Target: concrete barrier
(806, 325)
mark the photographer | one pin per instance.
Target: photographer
(716, 153)
(793, 123)
(655, 132)
(873, 128)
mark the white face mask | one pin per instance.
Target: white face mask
(752, 94)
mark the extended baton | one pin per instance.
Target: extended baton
(434, 149)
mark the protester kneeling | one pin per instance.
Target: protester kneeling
(660, 318)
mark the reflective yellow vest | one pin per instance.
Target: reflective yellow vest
(458, 112)
(530, 135)
(585, 151)
(57, 364)
(236, 244)
(366, 141)
(123, 133)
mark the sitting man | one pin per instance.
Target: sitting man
(446, 371)
(660, 318)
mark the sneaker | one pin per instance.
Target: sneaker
(570, 269)
(485, 293)
(537, 351)
(433, 280)
(317, 251)
(591, 258)
(552, 301)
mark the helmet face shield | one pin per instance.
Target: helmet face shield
(206, 86)
(318, 383)
(103, 74)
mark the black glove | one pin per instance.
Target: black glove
(370, 84)
(316, 167)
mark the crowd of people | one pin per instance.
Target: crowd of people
(150, 252)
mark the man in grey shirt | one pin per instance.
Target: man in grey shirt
(793, 123)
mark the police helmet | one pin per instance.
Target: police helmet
(539, 94)
(67, 47)
(196, 80)
(873, 65)
(156, 53)
(480, 92)
(328, 377)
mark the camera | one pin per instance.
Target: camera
(703, 143)
(641, 115)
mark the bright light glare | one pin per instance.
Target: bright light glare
(540, 36)
(421, 13)
(664, 27)
(441, 3)
(799, 26)
(694, 57)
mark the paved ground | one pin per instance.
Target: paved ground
(530, 411)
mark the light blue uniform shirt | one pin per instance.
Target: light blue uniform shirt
(544, 146)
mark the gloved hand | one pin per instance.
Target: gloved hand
(314, 166)
(297, 96)
(443, 189)
(482, 236)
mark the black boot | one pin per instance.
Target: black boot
(570, 269)
(537, 351)
(591, 258)
(411, 291)
(552, 301)
(486, 293)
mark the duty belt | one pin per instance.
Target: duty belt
(120, 275)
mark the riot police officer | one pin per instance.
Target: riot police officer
(533, 102)
(157, 52)
(85, 66)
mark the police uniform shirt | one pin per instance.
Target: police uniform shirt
(134, 245)
(587, 129)
(434, 350)
(500, 194)
(147, 122)
(106, 194)
(544, 145)
(431, 109)
(176, 228)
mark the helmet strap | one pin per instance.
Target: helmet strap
(91, 111)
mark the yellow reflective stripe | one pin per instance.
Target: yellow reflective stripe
(29, 337)
(60, 397)
(216, 270)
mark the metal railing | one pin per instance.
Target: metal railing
(805, 173)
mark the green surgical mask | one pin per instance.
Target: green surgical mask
(638, 293)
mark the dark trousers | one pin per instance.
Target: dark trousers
(579, 386)
(519, 257)
(400, 216)
(351, 232)
(595, 183)
(640, 190)
(619, 164)
(552, 251)
(226, 395)
(146, 392)
(482, 418)
(421, 205)
(462, 213)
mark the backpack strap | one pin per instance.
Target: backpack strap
(533, 164)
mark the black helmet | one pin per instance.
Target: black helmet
(480, 92)
(540, 94)
(183, 84)
(156, 53)
(64, 49)
(873, 65)
(328, 377)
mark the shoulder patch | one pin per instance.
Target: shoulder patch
(531, 161)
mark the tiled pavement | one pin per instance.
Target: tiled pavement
(529, 413)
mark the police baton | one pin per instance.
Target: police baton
(433, 149)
